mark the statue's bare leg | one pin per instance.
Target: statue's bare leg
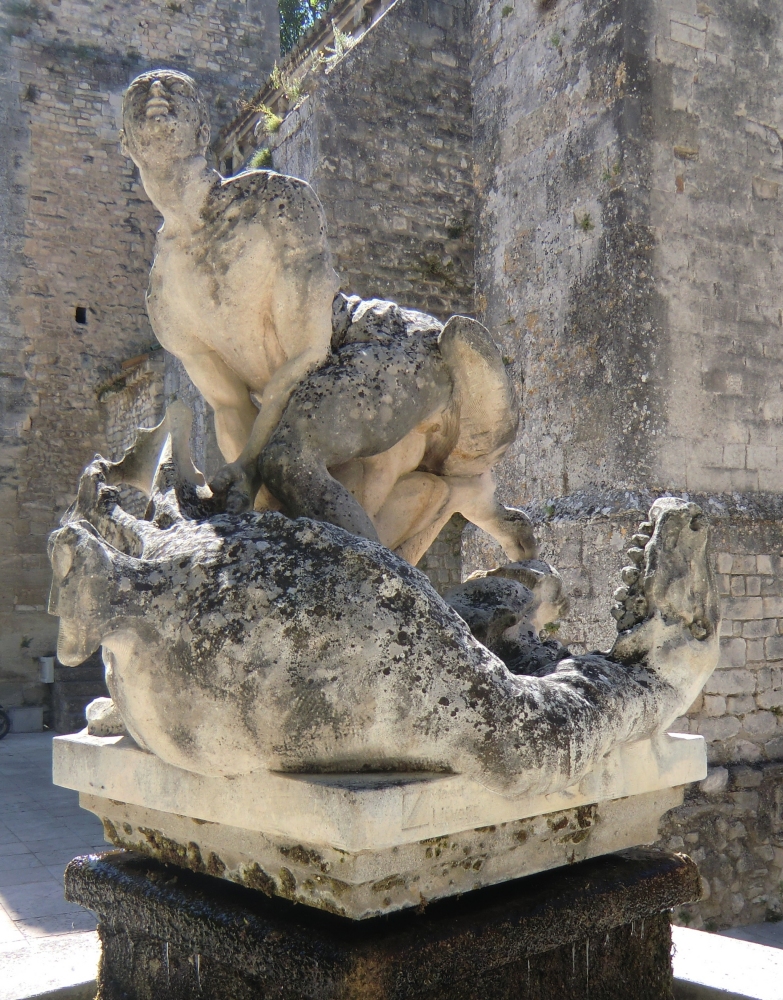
(359, 407)
(472, 496)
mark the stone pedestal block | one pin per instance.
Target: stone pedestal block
(599, 929)
(360, 845)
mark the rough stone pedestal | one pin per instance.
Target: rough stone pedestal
(597, 929)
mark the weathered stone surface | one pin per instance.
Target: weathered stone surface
(360, 845)
(77, 235)
(238, 642)
(169, 934)
(378, 419)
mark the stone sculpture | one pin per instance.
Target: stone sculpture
(293, 706)
(395, 421)
(235, 643)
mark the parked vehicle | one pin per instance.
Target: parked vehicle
(5, 723)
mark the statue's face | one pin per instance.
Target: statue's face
(163, 119)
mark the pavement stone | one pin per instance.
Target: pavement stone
(46, 943)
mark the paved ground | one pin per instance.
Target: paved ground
(41, 829)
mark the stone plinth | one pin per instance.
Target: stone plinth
(598, 929)
(363, 845)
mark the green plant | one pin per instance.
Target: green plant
(342, 44)
(555, 40)
(176, 8)
(28, 11)
(586, 223)
(611, 172)
(269, 121)
(434, 266)
(23, 16)
(549, 509)
(26, 642)
(551, 628)
(685, 917)
(292, 89)
(30, 93)
(458, 227)
(506, 11)
(711, 926)
(261, 159)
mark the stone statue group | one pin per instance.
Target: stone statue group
(273, 618)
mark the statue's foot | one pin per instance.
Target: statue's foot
(232, 489)
(518, 540)
(667, 609)
(104, 719)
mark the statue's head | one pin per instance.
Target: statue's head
(163, 119)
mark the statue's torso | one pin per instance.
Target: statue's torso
(234, 285)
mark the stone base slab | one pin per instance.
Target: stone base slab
(363, 845)
(368, 883)
(599, 929)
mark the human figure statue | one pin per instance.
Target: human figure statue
(378, 419)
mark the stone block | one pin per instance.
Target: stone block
(26, 719)
(361, 845)
(773, 647)
(714, 705)
(764, 565)
(737, 586)
(566, 934)
(746, 608)
(741, 705)
(716, 781)
(719, 729)
(725, 560)
(743, 564)
(760, 725)
(746, 777)
(770, 699)
(732, 652)
(760, 628)
(773, 607)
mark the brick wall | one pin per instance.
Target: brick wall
(78, 234)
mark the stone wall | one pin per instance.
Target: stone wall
(628, 163)
(732, 823)
(628, 228)
(385, 139)
(77, 246)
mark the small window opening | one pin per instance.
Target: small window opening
(229, 168)
(81, 315)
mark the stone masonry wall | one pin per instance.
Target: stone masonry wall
(78, 236)
(732, 823)
(385, 140)
(629, 162)
(628, 233)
